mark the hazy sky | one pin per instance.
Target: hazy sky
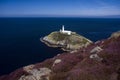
(18, 8)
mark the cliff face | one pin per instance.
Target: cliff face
(98, 61)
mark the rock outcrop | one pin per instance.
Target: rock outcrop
(104, 64)
(28, 68)
(36, 74)
(115, 35)
(96, 50)
(56, 62)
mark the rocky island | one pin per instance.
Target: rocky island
(98, 61)
(67, 40)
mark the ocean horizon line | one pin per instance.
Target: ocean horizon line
(67, 17)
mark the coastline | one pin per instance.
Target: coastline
(54, 45)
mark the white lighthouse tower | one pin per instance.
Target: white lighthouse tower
(62, 28)
(65, 31)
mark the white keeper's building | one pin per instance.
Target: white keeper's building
(65, 31)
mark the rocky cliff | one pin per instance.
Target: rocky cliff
(65, 41)
(98, 61)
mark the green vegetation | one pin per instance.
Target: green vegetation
(57, 36)
(73, 39)
(85, 41)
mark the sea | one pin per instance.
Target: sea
(20, 43)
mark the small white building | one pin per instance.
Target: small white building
(65, 31)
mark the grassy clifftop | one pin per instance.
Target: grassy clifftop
(69, 42)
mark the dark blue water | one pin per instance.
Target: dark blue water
(20, 44)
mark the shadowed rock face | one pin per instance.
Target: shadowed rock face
(76, 65)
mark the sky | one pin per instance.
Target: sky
(59, 8)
